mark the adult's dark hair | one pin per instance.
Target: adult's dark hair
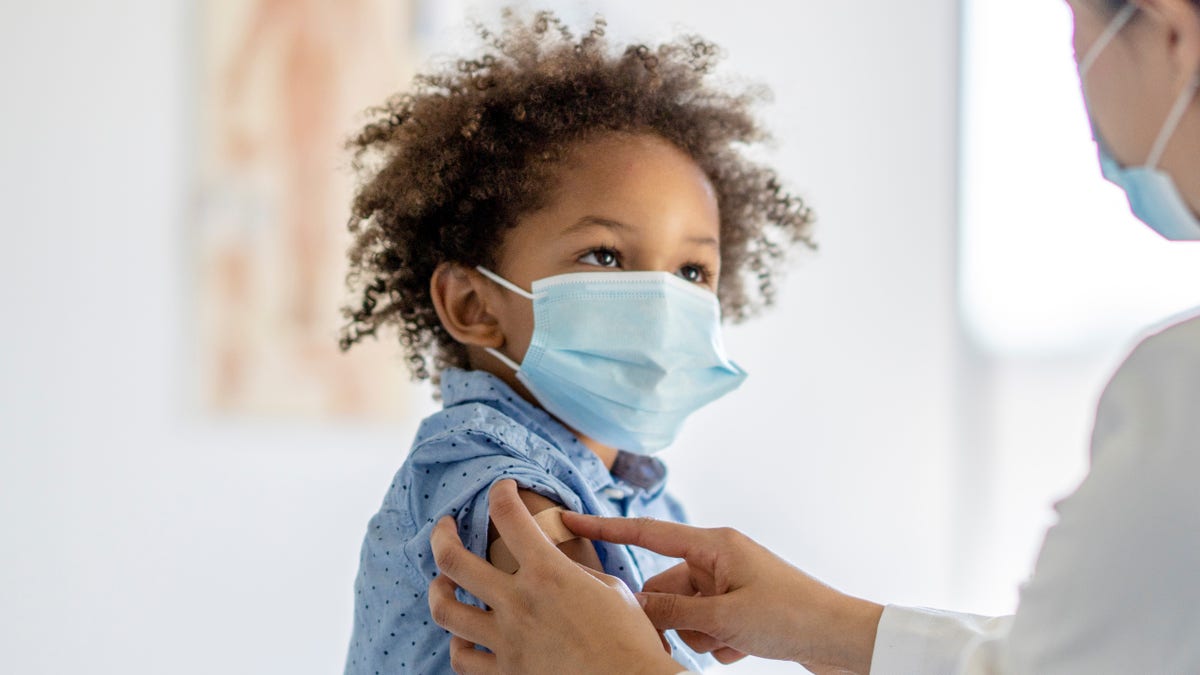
(447, 168)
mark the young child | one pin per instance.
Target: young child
(549, 227)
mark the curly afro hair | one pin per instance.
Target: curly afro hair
(447, 168)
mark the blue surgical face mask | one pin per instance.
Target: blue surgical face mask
(1153, 196)
(623, 357)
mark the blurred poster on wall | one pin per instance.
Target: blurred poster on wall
(283, 84)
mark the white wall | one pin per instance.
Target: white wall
(140, 538)
(1058, 280)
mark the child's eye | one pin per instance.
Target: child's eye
(601, 257)
(697, 274)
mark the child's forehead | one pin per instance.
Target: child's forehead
(622, 165)
(639, 193)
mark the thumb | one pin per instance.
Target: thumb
(668, 611)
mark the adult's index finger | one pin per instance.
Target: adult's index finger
(516, 525)
(674, 540)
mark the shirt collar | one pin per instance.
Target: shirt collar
(643, 473)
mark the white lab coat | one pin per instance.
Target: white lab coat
(1116, 588)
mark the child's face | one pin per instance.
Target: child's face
(622, 202)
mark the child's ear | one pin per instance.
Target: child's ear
(460, 299)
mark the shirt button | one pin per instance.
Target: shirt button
(614, 493)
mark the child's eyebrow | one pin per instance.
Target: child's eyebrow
(596, 221)
(587, 222)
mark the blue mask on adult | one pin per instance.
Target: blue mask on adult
(1153, 195)
(623, 357)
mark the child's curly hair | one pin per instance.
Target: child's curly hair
(449, 167)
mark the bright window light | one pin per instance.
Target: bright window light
(1052, 261)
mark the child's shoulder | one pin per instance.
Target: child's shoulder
(483, 416)
(486, 432)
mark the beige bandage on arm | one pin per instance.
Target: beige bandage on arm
(550, 522)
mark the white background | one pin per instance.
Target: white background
(873, 444)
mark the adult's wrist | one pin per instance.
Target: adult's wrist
(865, 620)
(849, 626)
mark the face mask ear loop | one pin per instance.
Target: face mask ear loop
(1110, 32)
(504, 282)
(1172, 123)
(515, 289)
(502, 358)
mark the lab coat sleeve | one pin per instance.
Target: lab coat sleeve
(917, 640)
(1114, 589)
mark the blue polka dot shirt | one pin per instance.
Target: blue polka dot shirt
(485, 432)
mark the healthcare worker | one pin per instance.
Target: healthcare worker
(1116, 588)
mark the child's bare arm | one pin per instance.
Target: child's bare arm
(578, 549)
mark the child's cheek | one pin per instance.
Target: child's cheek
(518, 327)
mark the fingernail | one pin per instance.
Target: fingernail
(641, 599)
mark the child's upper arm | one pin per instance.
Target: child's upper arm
(578, 549)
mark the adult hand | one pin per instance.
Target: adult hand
(732, 597)
(551, 616)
